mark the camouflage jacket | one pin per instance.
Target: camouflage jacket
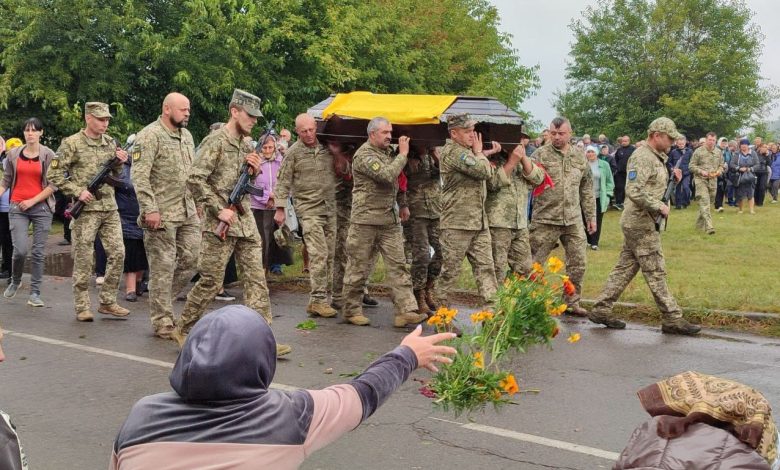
(162, 160)
(707, 160)
(308, 176)
(464, 191)
(344, 193)
(375, 185)
(214, 175)
(507, 202)
(572, 195)
(646, 181)
(423, 194)
(78, 160)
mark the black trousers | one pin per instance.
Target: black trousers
(593, 238)
(760, 188)
(620, 188)
(6, 244)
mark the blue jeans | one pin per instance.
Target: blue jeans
(40, 215)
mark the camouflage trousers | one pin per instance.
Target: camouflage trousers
(641, 250)
(705, 195)
(363, 241)
(173, 253)
(474, 245)
(340, 256)
(108, 227)
(543, 238)
(512, 246)
(425, 235)
(320, 235)
(214, 256)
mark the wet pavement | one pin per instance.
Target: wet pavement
(69, 385)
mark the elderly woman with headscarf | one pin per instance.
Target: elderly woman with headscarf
(744, 163)
(263, 207)
(603, 188)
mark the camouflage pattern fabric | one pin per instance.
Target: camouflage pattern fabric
(475, 246)
(646, 181)
(507, 197)
(710, 161)
(543, 238)
(308, 176)
(510, 246)
(90, 224)
(375, 186)
(423, 194)
(572, 196)
(425, 235)
(320, 234)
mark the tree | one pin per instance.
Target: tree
(57, 54)
(695, 61)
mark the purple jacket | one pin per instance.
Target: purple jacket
(267, 181)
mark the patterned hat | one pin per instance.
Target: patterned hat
(97, 109)
(247, 101)
(666, 126)
(460, 121)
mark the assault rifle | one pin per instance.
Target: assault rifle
(103, 176)
(243, 186)
(660, 219)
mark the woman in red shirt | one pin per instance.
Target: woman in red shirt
(32, 200)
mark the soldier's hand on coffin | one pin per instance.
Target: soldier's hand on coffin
(403, 145)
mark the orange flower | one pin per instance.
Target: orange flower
(573, 338)
(481, 316)
(568, 286)
(435, 321)
(509, 384)
(556, 311)
(554, 264)
(537, 268)
(479, 360)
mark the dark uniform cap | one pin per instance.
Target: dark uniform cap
(460, 121)
(97, 109)
(666, 126)
(247, 101)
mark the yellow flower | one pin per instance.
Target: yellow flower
(443, 316)
(554, 264)
(435, 321)
(537, 268)
(481, 316)
(573, 338)
(509, 384)
(479, 360)
(556, 311)
(507, 282)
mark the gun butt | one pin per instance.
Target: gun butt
(221, 230)
(75, 210)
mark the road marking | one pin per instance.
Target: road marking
(544, 441)
(518, 436)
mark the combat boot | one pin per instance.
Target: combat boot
(85, 315)
(607, 321)
(359, 320)
(164, 332)
(282, 349)
(680, 326)
(179, 337)
(315, 309)
(113, 309)
(577, 311)
(429, 298)
(422, 305)
(408, 318)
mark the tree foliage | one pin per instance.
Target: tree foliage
(57, 54)
(695, 61)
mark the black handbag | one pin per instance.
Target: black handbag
(747, 178)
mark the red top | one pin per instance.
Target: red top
(28, 179)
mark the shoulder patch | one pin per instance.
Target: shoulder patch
(375, 166)
(55, 163)
(136, 152)
(468, 159)
(632, 175)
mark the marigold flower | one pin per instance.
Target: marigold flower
(556, 311)
(435, 321)
(479, 360)
(554, 264)
(568, 286)
(537, 268)
(509, 384)
(573, 338)
(481, 316)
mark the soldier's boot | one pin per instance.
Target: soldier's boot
(408, 318)
(369, 301)
(113, 309)
(85, 315)
(179, 337)
(323, 310)
(429, 297)
(576, 311)
(679, 326)
(422, 305)
(282, 349)
(606, 320)
(164, 331)
(359, 320)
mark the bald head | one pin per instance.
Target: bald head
(306, 128)
(176, 111)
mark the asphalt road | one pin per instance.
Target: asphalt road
(69, 385)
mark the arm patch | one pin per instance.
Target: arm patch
(632, 175)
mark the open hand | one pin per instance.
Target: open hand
(427, 350)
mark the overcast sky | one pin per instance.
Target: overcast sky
(541, 34)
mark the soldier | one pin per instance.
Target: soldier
(78, 160)
(307, 174)
(162, 158)
(706, 166)
(507, 208)
(212, 178)
(646, 183)
(424, 199)
(558, 211)
(465, 231)
(375, 224)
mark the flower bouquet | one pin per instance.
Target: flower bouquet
(524, 315)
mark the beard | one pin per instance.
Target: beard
(180, 124)
(243, 131)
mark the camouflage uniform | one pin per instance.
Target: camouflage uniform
(214, 174)
(162, 159)
(464, 222)
(375, 226)
(308, 175)
(645, 185)
(710, 161)
(507, 209)
(424, 199)
(557, 212)
(78, 160)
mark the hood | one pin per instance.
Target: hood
(229, 354)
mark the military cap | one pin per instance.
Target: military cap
(666, 126)
(246, 101)
(283, 237)
(460, 121)
(97, 109)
